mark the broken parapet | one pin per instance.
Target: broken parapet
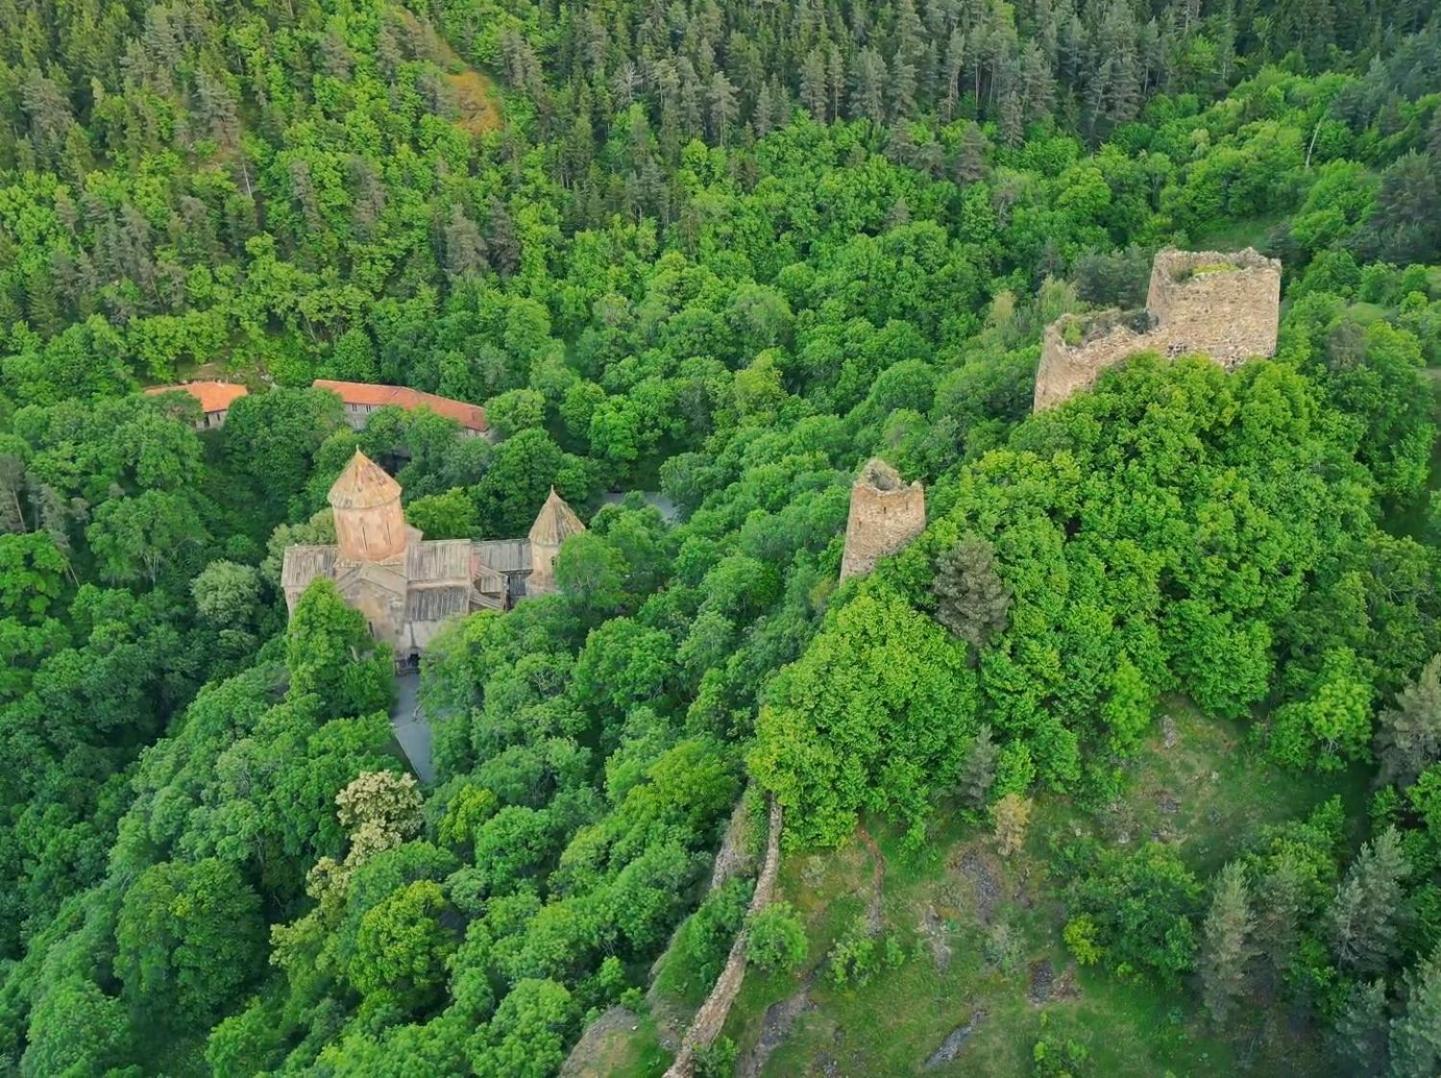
(1077, 348)
(886, 514)
(1223, 305)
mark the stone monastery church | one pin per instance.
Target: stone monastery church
(407, 585)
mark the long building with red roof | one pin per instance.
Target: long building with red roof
(363, 398)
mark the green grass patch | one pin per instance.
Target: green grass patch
(1197, 783)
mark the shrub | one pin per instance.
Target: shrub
(777, 939)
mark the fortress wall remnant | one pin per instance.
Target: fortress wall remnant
(1225, 305)
(885, 515)
(1106, 339)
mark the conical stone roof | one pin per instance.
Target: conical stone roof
(363, 485)
(555, 522)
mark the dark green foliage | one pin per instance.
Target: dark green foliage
(1416, 1033)
(1226, 945)
(971, 599)
(661, 275)
(1408, 734)
(188, 941)
(1368, 911)
(1139, 905)
(1361, 1029)
(978, 772)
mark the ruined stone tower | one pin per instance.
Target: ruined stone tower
(369, 523)
(886, 514)
(1223, 305)
(554, 524)
(1226, 306)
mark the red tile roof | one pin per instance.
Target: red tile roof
(470, 416)
(213, 396)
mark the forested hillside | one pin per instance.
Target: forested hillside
(725, 252)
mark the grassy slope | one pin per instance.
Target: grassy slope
(1207, 791)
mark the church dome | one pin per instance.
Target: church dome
(363, 485)
(555, 523)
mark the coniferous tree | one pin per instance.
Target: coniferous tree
(1226, 946)
(1367, 911)
(1416, 1034)
(979, 770)
(1408, 735)
(1361, 1029)
(971, 599)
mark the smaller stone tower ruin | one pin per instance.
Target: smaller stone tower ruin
(1223, 305)
(554, 524)
(886, 514)
(369, 523)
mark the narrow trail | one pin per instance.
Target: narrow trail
(874, 920)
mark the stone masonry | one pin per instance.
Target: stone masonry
(1225, 305)
(886, 514)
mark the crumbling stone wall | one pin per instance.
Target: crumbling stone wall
(711, 1018)
(1102, 340)
(1225, 305)
(885, 515)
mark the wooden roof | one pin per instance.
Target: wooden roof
(555, 522)
(470, 416)
(363, 485)
(213, 396)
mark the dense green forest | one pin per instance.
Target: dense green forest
(725, 251)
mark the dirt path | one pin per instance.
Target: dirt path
(779, 1019)
(874, 920)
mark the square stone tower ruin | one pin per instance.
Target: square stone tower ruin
(1223, 305)
(886, 514)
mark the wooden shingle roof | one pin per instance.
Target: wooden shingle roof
(555, 522)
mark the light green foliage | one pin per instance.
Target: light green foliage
(675, 281)
(1133, 909)
(1332, 724)
(75, 1029)
(854, 956)
(875, 716)
(450, 515)
(226, 594)
(402, 947)
(31, 575)
(138, 538)
(776, 938)
(331, 656)
(705, 939)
